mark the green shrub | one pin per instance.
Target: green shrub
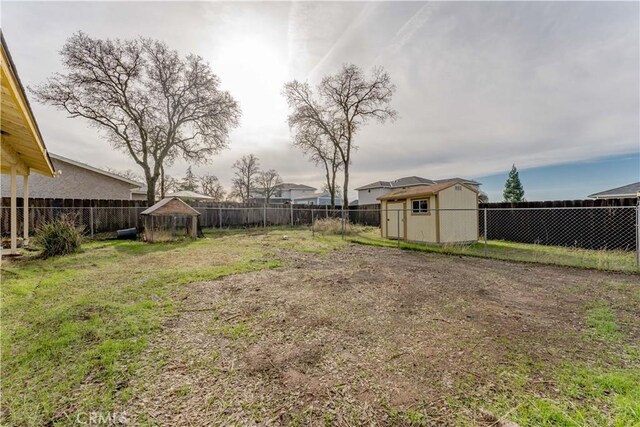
(59, 237)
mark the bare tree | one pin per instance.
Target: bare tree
(128, 174)
(246, 174)
(343, 104)
(321, 151)
(211, 187)
(268, 182)
(151, 103)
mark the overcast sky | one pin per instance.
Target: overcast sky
(480, 85)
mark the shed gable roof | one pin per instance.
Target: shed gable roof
(170, 206)
(423, 190)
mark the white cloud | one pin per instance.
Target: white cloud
(480, 85)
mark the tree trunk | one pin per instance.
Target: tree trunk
(151, 190)
(345, 188)
(333, 190)
(162, 183)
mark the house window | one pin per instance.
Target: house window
(459, 187)
(420, 206)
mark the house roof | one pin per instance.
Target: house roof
(626, 191)
(422, 190)
(406, 181)
(292, 186)
(94, 169)
(139, 190)
(170, 206)
(314, 196)
(410, 181)
(22, 144)
(466, 181)
(377, 184)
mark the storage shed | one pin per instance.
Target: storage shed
(169, 218)
(440, 213)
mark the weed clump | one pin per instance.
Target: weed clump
(59, 237)
(334, 226)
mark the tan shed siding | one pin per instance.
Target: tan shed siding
(383, 219)
(421, 227)
(395, 213)
(458, 225)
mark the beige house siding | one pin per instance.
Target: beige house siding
(370, 196)
(72, 182)
(458, 225)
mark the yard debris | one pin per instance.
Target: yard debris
(496, 421)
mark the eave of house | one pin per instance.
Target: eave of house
(21, 143)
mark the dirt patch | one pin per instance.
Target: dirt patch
(362, 335)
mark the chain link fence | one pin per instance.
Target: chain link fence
(613, 228)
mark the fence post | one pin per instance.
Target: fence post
(398, 213)
(485, 232)
(313, 229)
(326, 211)
(638, 234)
(91, 221)
(343, 224)
(264, 216)
(291, 209)
(220, 216)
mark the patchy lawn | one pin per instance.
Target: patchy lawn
(279, 328)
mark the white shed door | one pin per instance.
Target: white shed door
(395, 220)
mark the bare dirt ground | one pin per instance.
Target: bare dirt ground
(369, 336)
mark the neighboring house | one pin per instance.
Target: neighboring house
(319, 199)
(439, 213)
(139, 193)
(369, 194)
(76, 180)
(629, 191)
(284, 193)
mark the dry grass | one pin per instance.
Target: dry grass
(375, 336)
(334, 226)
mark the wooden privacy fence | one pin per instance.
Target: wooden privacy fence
(589, 224)
(100, 216)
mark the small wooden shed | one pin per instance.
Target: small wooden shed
(438, 213)
(169, 218)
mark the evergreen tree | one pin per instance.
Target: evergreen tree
(513, 191)
(190, 182)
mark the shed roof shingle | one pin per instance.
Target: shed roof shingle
(170, 206)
